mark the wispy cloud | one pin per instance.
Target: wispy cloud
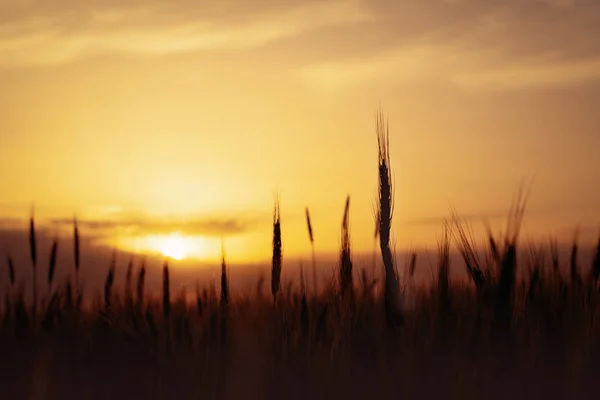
(203, 227)
(561, 73)
(475, 45)
(57, 37)
(208, 226)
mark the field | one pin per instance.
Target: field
(518, 327)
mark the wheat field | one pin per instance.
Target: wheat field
(517, 327)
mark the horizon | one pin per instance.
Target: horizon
(244, 275)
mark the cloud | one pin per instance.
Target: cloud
(471, 44)
(134, 225)
(477, 45)
(61, 35)
(536, 75)
(410, 64)
(204, 227)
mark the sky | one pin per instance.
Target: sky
(172, 126)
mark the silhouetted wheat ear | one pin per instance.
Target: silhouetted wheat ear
(412, 264)
(495, 252)
(383, 218)
(575, 278)
(508, 264)
(309, 226)
(110, 278)
(345, 253)
(199, 303)
(554, 255)
(128, 278)
(76, 251)
(463, 237)
(596, 263)
(224, 283)
(33, 254)
(11, 270)
(52, 264)
(166, 292)
(277, 253)
(141, 282)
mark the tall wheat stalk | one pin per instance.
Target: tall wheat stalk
(596, 264)
(508, 263)
(385, 213)
(224, 298)
(345, 254)
(465, 242)
(11, 269)
(128, 279)
(52, 265)
(443, 279)
(199, 303)
(33, 254)
(141, 284)
(166, 298)
(110, 278)
(224, 282)
(277, 254)
(575, 276)
(76, 253)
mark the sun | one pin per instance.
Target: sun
(174, 247)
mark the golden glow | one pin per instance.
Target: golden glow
(174, 246)
(194, 248)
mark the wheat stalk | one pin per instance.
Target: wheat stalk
(575, 277)
(444, 263)
(277, 254)
(166, 298)
(596, 263)
(76, 251)
(11, 270)
(33, 255)
(463, 237)
(345, 253)
(141, 283)
(110, 278)
(52, 265)
(385, 213)
(128, 278)
(224, 282)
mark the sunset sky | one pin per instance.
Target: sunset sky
(147, 119)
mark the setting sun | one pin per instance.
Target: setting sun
(174, 246)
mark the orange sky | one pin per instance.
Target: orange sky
(156, 117)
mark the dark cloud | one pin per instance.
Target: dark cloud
(205, 227)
